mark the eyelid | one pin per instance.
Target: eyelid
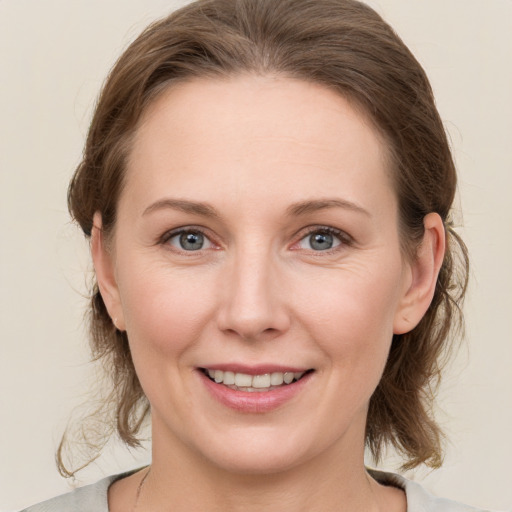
(168, 235)
(343, 237)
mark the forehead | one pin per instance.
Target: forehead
(255, 135)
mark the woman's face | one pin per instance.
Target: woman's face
(257, 242)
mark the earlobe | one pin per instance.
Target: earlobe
(104, 267)
(424, 270)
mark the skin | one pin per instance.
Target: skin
(252, 147)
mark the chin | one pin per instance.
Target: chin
(254, 462)
(269, 450)
(251, 450)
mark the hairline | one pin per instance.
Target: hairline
(152, 95)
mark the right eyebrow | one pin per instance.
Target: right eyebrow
(197, 208)
(307, 207)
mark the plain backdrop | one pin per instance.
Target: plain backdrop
(54, 55)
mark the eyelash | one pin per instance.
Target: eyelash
(344, 239)
(180, 231)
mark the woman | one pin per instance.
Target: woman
(267, 187)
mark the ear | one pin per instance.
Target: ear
(104, 267)
(424, 269)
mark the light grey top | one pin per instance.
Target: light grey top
(93, 498)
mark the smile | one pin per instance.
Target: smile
(253, 383)
(255, 389)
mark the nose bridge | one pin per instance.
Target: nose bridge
(252, 303)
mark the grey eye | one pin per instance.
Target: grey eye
(189, 241)
(320, 240)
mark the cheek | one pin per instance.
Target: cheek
(350, 315)
(164, 312)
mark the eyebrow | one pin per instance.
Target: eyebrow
(306, 207)
(294, 210)
(197, 208)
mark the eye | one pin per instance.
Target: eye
(188, 240)
(322, 239)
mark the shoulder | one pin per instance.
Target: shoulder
(90, 498)
(418, 498)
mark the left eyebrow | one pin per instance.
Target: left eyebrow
(305, 207)
(197, 208)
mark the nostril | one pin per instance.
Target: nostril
(250, 307)
(253, 334)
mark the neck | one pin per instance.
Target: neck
(335, 480)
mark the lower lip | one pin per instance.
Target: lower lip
(257, 401)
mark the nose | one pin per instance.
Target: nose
(253, 298)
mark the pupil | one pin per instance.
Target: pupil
(321, 241)
(191, 241)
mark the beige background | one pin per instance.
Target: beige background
(54, 55)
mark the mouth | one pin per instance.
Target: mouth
(260, 383)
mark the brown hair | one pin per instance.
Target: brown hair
(344, 45)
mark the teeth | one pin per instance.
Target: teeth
(288, 377)
(261, 381)
(276, 379)
(253, 382)
(242, 380)
(229, 378)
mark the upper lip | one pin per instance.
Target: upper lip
(259, 369)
